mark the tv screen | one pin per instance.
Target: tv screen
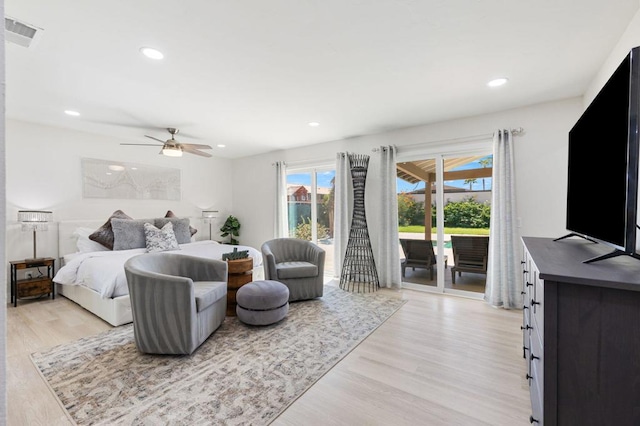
(603, 162)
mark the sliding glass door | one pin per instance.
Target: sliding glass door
(310, 201)
(444, 207)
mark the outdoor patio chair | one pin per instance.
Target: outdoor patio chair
(419, 254)
(470, 254)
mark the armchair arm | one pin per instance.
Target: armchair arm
(316, 255)
(172, 298)
(269, 261)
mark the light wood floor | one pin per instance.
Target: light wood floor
(439, 360)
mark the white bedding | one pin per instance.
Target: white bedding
(103, 271)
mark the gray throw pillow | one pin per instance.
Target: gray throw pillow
(180, 228)
(129, 234)
(104, 234)
(192, 230)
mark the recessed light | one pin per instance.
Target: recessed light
(152, 53)
(116, 167)
(109, 173)
(72, 113)
(221, 145)
(497, 82)
(314, 124)
(134, 168)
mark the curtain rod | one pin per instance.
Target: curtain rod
(515, 132)
(311, 162)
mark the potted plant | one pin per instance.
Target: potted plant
(231, 229)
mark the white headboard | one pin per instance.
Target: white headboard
(66, 240)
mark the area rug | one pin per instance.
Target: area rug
(242, 375)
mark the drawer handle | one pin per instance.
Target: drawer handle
(529, 284)
(525, 307)
(532, 420)
(533, 302)
(522, 262)
(529, 377)
(524, 271)
(534, 357)
(523, 292)
(526, 327)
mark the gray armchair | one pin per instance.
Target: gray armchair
(296, 263)
(177, 301)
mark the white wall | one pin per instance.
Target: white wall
(541, 166)
(629, 40)
(44, 172)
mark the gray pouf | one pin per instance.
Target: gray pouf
(262, 302)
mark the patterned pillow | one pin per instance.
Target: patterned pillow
(160, 239)
(192, 230)
(104, 234)
(180, 227)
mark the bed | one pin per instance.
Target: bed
(94, 278)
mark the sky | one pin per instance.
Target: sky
(324, 180)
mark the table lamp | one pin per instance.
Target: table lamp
(34, 220)
(208, 216)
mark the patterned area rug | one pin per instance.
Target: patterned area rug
(242, 375)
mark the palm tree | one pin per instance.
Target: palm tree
(470, 182)
(485, 162)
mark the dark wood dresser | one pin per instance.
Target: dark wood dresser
(581, 334)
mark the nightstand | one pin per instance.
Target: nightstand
(240, 272)
(34, 286)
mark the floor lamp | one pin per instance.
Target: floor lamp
(208, 216)
(34, 220)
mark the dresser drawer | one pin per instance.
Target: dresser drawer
(537, 305)
(537, 409)
(536, 357)
(33, 287)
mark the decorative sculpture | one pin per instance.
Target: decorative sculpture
(235, 254)
(359, 267)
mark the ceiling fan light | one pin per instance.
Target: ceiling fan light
(172, 152)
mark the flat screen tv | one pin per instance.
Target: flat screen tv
(602, 187)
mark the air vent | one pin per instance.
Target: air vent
(21, 33)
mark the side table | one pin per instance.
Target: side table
(34, 286)
(239, 274)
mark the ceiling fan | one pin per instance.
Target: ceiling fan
(173, 148)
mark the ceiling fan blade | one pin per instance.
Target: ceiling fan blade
(155, 139)
(141, 144)
(196, 146)
(191, 150)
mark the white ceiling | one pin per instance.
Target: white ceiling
(252, 73)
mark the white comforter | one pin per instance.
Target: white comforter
(103, 271)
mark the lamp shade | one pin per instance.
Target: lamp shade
(34, 220)
(210, 214)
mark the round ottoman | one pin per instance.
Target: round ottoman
(262, 302)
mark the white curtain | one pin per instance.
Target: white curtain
(386, 226)
(281, 225)
(342, 217)
(504, 280)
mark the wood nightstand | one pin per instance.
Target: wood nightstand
(35, 286)
(240, 272)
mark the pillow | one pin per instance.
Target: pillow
(84, 244)
(129, 233)
(160, 239)
(104, 234)
(180, 228)
(192, 230)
